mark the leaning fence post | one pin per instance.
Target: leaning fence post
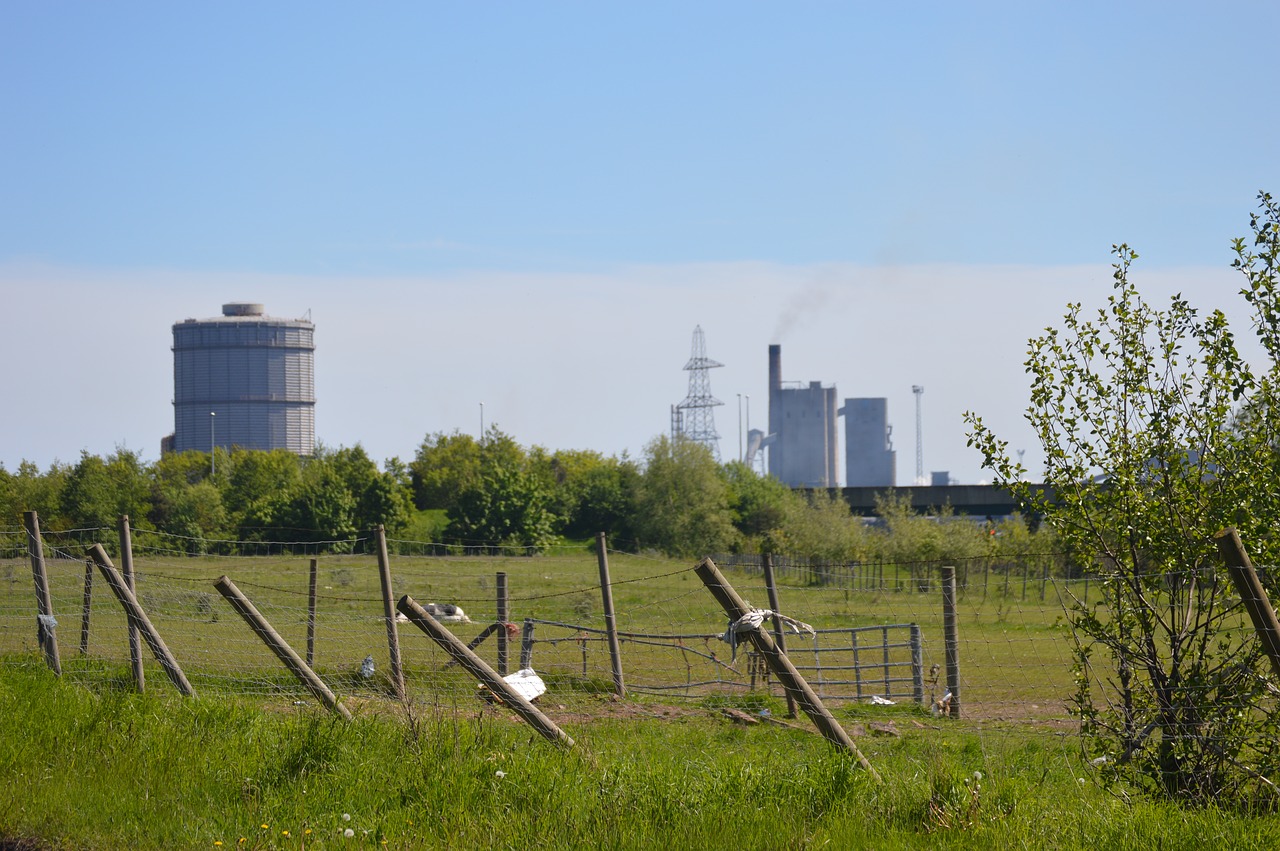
(480, 669)
(139, 618)
(1252, 594)
(46, 624)
(610, 621)
(501, 587)
(766, 562)
(779, 663)
(951, 637)
(389, 612)
(130, 579)
(286, 654)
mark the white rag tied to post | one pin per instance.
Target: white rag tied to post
(753, 620)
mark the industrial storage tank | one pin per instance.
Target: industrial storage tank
(244, 379)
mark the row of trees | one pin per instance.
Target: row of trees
(252, 496)
(676, 499)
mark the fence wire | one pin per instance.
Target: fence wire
(1015, 656)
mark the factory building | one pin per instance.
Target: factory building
(802, 438)
(870, 459)
(244, 379)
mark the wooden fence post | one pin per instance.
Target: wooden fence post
(130, 579)
(46, 624)
(610, 621)
(917, 666)
(503, 615)
(1252, 594)
(480, 669)
(311, 612)
(779, 663)
(766, 562)
(85, 607)
(389, 612)
(139, 618)
(951, 637)
(286, 654)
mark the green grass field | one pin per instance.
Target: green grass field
(86, 762)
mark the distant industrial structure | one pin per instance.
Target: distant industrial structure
(802, 438)
(695, 417)
(802, 429)
(869, 456)
(243, 379)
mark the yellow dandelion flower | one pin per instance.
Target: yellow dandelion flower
(217, 843)
(284, 833)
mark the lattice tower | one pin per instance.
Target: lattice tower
(697, 411)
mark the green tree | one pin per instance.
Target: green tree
(444, 466)
(1135, 408)
(252, 483)
(97, 491)
(760, 503)
(29, 490)
(380, 498)
(509, 506)
(591, 493)
(682, 501)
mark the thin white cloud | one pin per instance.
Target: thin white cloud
(586, 360)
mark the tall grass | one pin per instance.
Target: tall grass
(106, 768)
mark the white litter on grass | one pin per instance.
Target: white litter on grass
(877, 700)
(527, 683)
(366, 667)
(443, 612)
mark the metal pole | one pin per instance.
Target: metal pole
(739, 428)
(213, 445)
(389, 612)
(46, 624)
(610, 620)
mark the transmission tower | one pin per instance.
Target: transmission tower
(695, 416)
(919, 391)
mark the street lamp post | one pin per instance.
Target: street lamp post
(739, 428)
(213, 445)
(482, 423)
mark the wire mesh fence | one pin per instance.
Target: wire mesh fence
(879, 629)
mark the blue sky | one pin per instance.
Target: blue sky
(533, 205)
